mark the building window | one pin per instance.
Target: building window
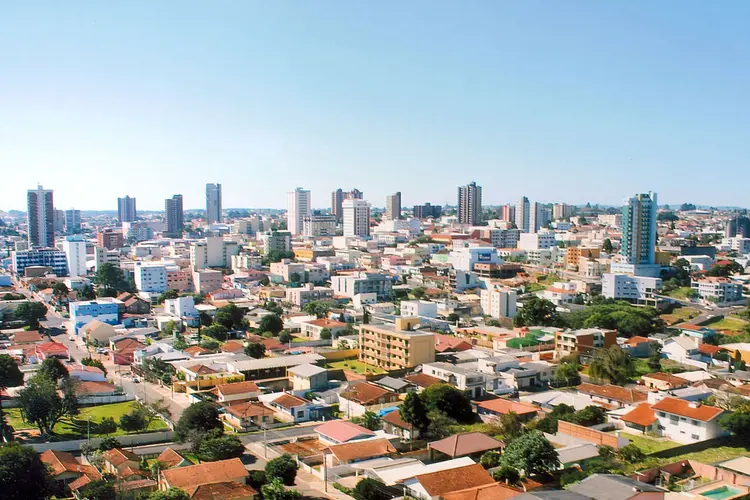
(694, 437)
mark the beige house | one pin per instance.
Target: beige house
(98, 333)
(308, 377)
(247, 416)
(313, 328)
(237, 391)
(396, 347)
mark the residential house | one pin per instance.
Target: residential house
(471, 382)
(422, 381)
(435, 485)
(738, 350)
(641, 418)
(397, 385)
(361, 397)
(171, 459)
(663, 381)
(687, 421)
(98, 333)
(132, 304)
(291, 408)
(616, 487)
(28, 338)
(96, 392)
(233, 347)
(612, 396)
(193, 476)
(348, 453)
(51, 350)
(308, 377)
(236, 391)
(394, 424)
(467, 444)
(680, 349)
(312, 329)
(122, 351)
(637, 346)
(342, 431)
(225, 490)
(64, 468)
(121, 463)
(497, 491)
(247, 416)
(448, 343)
(85, 373)
(195, 351)
(499, 407)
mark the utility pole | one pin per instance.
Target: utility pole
(89, 429)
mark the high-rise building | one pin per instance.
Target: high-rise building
(638, 246)
(393, 206)
(174, 215)
(354, 194)
(426, 211)
(41, 218)
(508, 213)
(356, 217)
(319, 224)
(213, 203)
(470, 204)
(72, 221)
(338, 197)
(298, 204)
(523, 214)
(75, 253)
(126, 209)
(59, 221)
(738, 227)
(539, 217)
(561, 211)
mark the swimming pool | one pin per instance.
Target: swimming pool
(722, 493)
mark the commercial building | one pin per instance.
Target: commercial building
(639, 290)
(40, 217)
(470, 204)
(498, 302)
(584, 341)
(126, 209)
(51, 258)
(174, 215)
(280, 241)
(72, 221)
(351, 285)
(104, 309)
(427, 211)
(298, 207)
(75, 254)
(212, 251)
(319, 224)
(150, 277)
(356, 217)
(396, 347)
(337, 200)
(537, 241)
(523, 214)
(464, 259)
(718, 290)
(109, 239)
(213, 203)
(393, 206)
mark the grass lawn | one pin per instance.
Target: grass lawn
(680, 293)
(534, 287)
(77, 427)
(475, 427)
(648, 444)
(732, 323)
(299, 339)
(680, 315)
(355, 366)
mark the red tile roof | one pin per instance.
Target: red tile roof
(195, 350)
(468, 443)
(118, 457)
(248, 409)
(170, 458)
(505, 406)
(423, 380)
(342, 431)
(367, 393)
(460, 478)
(359, 450)
(91, 387)
(641, 415)
(636, 340)
(687, 409)
(444, 343)
(206, 473)
(710, 350)
(237, 388)
(326, 323)
(52, 348)
(673, 380)
(227, 490)
(394, 418)
(613, 392)
(497, 491)
(289, 401)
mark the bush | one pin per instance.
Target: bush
(257, 479)
(490, 459)
(370, 489)
(283, 468)
(631, 453)
(220, 448)
(133, 422)
(106, 426)
(508, 475)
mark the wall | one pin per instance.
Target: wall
(591, 435)
(102, 400)
(340, 355)
(126, 441)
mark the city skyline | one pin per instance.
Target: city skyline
(497, 92)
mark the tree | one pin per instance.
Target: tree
(220, 448)
(370, 421)
(607, 246)
(419, 293)
(319, 308)
(168, 328)
(109, 443)
(413, 411)
(216, 331)
(566, 375)
(511, 426)
(371, 489)
(440, 424)
(255, 350)
(42, 406)
(170, 494)
(209, 343)
(612, 364)
(630, 453)
(198, 417)
(325, 334)
(133, 422)
(23, 475)
(106, 426)
(283, 468)
(738, 423)
(686, 207)
(53, 369)
(607, 452)
(591, 415)
(536, 312)
(95, 363)
(100, 489)
(449, 400)
(285, 337)
(726, 270)
(532, 453)
(507, 475)
(30, 313)
(10, 376)
(271, 323)
(60, 291)
(654, 360)
(490, 459)
(230, 316)
(453, 318)
(110, 277)
(275, 490)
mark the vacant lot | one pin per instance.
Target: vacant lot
(355, 366)
(680, 315)
(731, 323)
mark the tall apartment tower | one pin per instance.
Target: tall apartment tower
(738, 227)
(470, 204)
(638, 245)
(298, 205)
(174, 214)
(126, 209)
(72, 222)
(338, 197)
(41, 218)
(213, 203)
(356, 217)
(523, 214)
(561, 211)
(508, 213)
(393, 206)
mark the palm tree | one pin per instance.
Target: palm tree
(613, 365)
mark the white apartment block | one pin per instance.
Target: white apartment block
(103, 256)
(638, 290)
(537, 241)
(464, 259)
(719, 290)
(356, 217)
(150, 277)
(739, 245)
(318, 225)
(308, 293)
(423, 308)
(212, 251)
(687, 421)
(280, 241)
(75, 254)
(611, 220)
(298, 204)
(498, 302)
(137, 231)
(182, 307)
(246, 261)
(351, 285)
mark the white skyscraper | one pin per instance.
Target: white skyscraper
(213, 203)
(356, 218)
(523, 215)
(298, 204)
(75, 253)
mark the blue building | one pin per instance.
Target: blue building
(50, 257)
(106, 310)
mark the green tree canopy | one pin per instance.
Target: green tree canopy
(53, 369)
(198, 417)
(30, 313)
(95, 363)
(42, 406)
(216, 331)
(111, 277)
(325, 334)
(274, 490)
(371, 489)
(532, 453)
(613, 365)
(100, 489)
(283, 468)
(216, 448)
(255, 350)
(271, 323)
(449, 400)
(536, 312)
(413, 411)
(170, 494)
(23, 475)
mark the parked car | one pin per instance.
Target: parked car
(101, 350)
(135, 380)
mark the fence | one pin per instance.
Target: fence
(93, 400)
(125, 441)
(590, 435)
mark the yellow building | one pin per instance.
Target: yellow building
(396, 347)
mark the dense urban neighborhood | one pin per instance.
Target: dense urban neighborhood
(457, 352)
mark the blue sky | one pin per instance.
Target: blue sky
(560, 101)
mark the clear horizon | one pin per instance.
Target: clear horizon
(577, 102)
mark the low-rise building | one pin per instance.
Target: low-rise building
(687, 421)
(639, 290)
(584, 341)
(105, 309)
(312, 329)
(718, 290)
(396, 347)
(247, 416)
(308, 378)
(361, 397)
(308, 293)
(351, 285)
